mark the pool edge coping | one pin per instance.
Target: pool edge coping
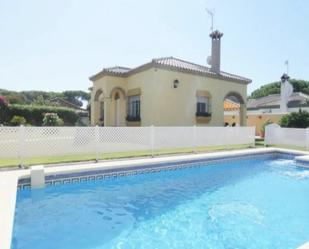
(9, 179)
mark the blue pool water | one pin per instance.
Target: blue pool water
(260, 203)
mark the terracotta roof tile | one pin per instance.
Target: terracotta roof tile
(231, 105)
(175, 64)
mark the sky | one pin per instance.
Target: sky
(55, 45)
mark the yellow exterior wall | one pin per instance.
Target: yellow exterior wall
(256, 120)
(163, 105)
(145, 81)
(178, 106)
(230, 119)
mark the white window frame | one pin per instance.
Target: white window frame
(134, 106)
(202, 100)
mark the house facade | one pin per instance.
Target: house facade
(166, 92)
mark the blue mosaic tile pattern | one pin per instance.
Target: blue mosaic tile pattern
(99, 175)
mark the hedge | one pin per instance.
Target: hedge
(34, 114)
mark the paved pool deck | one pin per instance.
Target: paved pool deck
(9, 179)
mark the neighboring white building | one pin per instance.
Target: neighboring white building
(271, 103)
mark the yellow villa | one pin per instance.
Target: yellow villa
(167, 92)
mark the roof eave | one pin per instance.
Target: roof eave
(211, 75)
(141, 68)
(105, 73)
(155, 64)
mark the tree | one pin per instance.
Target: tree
(76, 97)
(33, 104)
(39, 100)
(295, 120)
(35, 113)
(15, 99)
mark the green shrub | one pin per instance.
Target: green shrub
(52, 119)
(18, 120)
(295, 120)
(34, 114)
(267, 122)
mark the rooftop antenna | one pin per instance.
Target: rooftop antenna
(211, 14)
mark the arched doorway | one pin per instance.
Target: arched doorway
(118, 107)
(98, 108)
(234, 110)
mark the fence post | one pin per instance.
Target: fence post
(307, 138)
(194, 139)
(271, 135)
(266, 135)
(152, 140)
(227, 137)
(96, 134)
(21, 142)
(253, 137)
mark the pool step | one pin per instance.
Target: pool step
(304, 160)
(37, 176)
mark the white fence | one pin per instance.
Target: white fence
(27, 142)
(275, 135)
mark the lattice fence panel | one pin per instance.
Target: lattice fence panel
(173, 137)
(27, 142)
(9, 142)
(120, 139)
(50, 141)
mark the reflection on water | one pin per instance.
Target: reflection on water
(245, 210)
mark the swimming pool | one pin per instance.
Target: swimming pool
(259, 202)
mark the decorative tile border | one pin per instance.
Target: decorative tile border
(99, 175)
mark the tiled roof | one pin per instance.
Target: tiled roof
(172, 64)
(189, 66)
(274, 100)
(181, 64)
(117, 70)
(230, 105)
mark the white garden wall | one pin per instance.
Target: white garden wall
(275, 135)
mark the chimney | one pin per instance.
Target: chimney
(215, 51)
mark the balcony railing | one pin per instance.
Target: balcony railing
(203, 114)
(133, 118)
